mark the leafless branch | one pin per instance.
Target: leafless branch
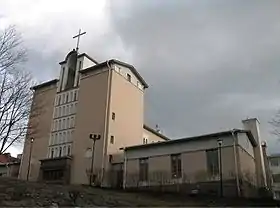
(15, 94)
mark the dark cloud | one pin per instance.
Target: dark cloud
(209, 63)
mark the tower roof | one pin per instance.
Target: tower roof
(134, 71)
(79, 55)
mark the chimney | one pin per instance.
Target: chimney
(252, 124)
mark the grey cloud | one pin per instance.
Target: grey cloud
(209, 63)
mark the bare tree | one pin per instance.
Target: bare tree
(12, 53)
(15, 93)
(275, 123)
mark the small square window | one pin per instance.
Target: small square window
(128, 77)
(113, 116)
(112, 140)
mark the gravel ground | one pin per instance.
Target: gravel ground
(16, 193)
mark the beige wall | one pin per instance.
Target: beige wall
(194, 167)
(90, 118)
(247, 165)
(173, 148)
(39, 128)
(127, 104)
(151, 137)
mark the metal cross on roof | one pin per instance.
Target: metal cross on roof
(78, 40)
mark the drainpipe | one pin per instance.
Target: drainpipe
(124, 169)
(235, 163)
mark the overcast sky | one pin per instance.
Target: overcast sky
(209, 64)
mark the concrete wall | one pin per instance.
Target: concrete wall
(90, 118)
(126, 103)
(39, 128)
(253, 126)
(191, 171)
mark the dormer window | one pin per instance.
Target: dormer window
(128, 77)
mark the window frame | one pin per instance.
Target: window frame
(176, 168)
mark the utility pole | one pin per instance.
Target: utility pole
(94, 137)
(29, 160)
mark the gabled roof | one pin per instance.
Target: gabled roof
(201, 137)
(155, 132)
(102, 64)
(44, 84)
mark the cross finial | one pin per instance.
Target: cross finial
(78, 40)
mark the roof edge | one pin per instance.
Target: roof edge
(80, 55)
(44, 84)
(155, 132)
(188, 139)
(134, 71)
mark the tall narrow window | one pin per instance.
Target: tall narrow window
(75, 108)
(55, 138)
(71, 96)
(128, 77)
(63, 98)
(52, 153)
(112, 140)
(80, 64)
(60, 138)
(113, 116)
(176, 167)
(64, 124)
(75, 95)
(67, 110)
(63, 137)
(60, 151)
(67, 98)
(56, 152)
(59, 100)
(69, 150)
(212, 162)
(68, 123)
(59, 124)
(143, 169)
(64, 151)
(63, 111)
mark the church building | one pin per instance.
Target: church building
(86, 116)
(87, 127)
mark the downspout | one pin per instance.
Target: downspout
(124, 169)
(235, 163)
(107, 109)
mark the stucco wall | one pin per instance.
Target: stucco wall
(194, 167)
(90, 118)
(39, 128)
(127, 106)
(247, 165)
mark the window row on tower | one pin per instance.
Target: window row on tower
(65, 110)
(63, 123)
(61, 137)
(60, 151)
(66, 97)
